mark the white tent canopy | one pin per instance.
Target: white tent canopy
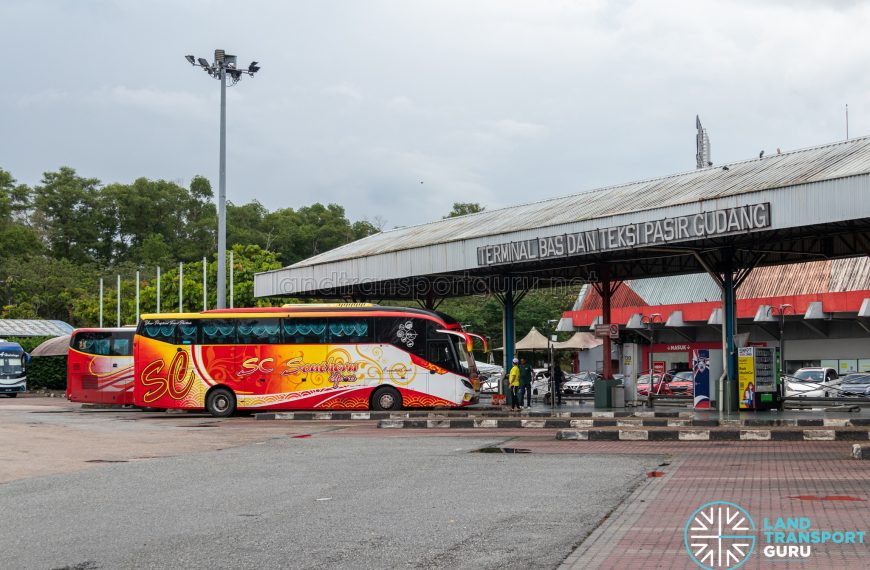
(533, 341)
(580, 341)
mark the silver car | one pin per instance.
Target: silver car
(809, 382)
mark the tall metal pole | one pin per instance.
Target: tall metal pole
(101, 302)
(231, 279)
(158, 288)
(180, 284)
(204, 285)
(118, 311)
(222, 200)
(137, 297)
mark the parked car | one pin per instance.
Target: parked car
(540, 381)
(856, 385)
(580, 383)
(809, 382)
(659, 388)
(491, 376)
(681, 382)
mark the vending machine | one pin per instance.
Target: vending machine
(758, 378)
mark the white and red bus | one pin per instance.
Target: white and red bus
(351, 356)
(100, 366)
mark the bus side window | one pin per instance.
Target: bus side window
(121, 346)
(406, 333)
(350, 330)
(218, 331)
(259, 331)
(186, 333)
(438, 353)
(158, 330)
(304, 331)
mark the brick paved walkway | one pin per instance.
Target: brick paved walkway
(768, 480)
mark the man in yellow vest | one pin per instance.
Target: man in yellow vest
(514, 383)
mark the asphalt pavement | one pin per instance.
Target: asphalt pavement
(318, 502)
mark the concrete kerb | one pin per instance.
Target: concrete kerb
(860, 451)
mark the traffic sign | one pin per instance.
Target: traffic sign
(609, 330)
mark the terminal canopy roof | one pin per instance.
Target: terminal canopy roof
(804, 205)
(33, 327)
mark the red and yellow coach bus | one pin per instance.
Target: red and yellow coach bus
(332, 356)
(100, 366)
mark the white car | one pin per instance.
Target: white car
(809, 382)
(581, 383)
(491, 376)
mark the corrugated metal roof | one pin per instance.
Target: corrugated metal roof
(829, 276)
(827, 162)
(672, 289)
(33, 327)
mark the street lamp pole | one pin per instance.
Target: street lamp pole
(651, 321)
(224, 65)
(783, 310)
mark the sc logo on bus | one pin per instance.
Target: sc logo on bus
(254, 365)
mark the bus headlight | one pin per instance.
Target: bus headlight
(467, 384)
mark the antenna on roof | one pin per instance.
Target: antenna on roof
(702, 145)
(847, 121)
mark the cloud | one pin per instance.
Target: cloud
(168, 103)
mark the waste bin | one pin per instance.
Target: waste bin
(603, 393)
(617, 395)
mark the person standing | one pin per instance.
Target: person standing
(514, 384)
(525, 383)
(558, 377)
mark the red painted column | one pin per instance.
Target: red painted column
(605, 319)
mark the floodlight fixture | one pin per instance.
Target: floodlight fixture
(223, 65)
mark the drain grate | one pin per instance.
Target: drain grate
(501, 450)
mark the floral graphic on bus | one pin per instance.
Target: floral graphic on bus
(406, 333)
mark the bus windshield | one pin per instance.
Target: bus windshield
(465, 359)
(11, 364)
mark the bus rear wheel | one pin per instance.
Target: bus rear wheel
(220, 402)
(386, 399)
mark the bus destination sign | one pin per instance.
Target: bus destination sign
(642, 234)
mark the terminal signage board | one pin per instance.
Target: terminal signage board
(628, 236)
(604, 331)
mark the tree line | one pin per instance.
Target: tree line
(60, 236)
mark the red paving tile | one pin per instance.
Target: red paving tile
(769, 479)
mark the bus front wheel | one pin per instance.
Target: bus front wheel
(386, 399)
(220, 402)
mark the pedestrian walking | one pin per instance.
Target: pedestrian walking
(525, 383)
(514, 383)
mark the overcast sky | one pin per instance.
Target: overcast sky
(490, 101)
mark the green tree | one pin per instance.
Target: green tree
(463, 208)
(17, 237)
(66, 208)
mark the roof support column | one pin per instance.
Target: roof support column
(606, 289)
(604, 272)
(509, 337)
(729, 325)
(503, 290)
